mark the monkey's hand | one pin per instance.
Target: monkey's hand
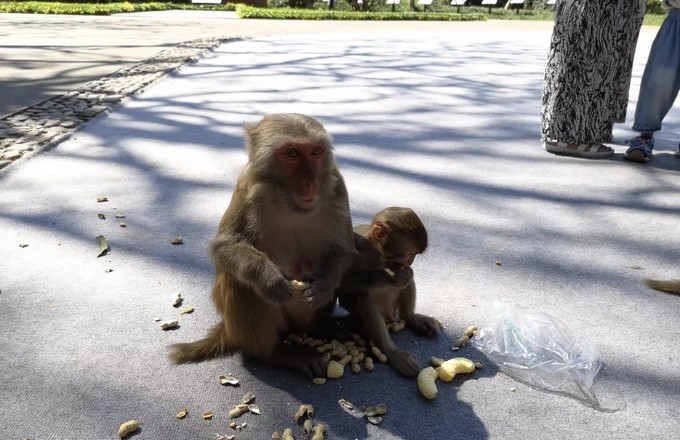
(320, 294)
(279, 290)
(405, 363)
(422, 324)
(402, 276)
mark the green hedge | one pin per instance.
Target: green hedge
(32, 7)
(244, 11)
(44, 7)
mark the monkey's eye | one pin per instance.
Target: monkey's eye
(293, 153)
(317, 151)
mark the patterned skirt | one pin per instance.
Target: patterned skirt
(588, 72)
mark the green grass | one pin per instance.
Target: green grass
(654, 19)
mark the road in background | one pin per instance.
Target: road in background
(43, 56)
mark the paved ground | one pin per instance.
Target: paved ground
(444, 120)
(47, 55)
(61, 71)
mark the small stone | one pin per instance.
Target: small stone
(69, 124)
(111, 98)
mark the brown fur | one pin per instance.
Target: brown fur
(268, 236)
(668, 286)
(380, 288)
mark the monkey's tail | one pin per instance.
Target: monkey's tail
(213, 345)
(668, 286)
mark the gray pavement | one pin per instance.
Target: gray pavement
(59, 71)
(442, 119)
(47, 55)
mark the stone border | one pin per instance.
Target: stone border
(40, 125)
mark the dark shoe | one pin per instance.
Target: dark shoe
(640, 149)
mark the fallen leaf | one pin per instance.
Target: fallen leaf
(177, 240)
(23, 245)
(103, 246)
(102, 199)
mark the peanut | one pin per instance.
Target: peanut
(335, 370)
(319, 432)
(239, 410)
(128, 427)
(426, 384)
(308, 426)
(304, 410)
(448, 370)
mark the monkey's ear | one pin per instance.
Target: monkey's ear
(249, 137)
(380, 231)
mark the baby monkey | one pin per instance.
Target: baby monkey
(379, 288)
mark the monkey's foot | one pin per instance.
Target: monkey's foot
(302, 358)
(404, 362)
(425, 325)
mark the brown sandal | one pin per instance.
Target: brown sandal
(592, 151)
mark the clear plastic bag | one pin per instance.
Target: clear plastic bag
(539, 350)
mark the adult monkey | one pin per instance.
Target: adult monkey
(288, 219)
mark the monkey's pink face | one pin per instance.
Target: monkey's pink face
(302, 165)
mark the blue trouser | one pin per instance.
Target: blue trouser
(661, 78)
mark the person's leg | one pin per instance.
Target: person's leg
(658, 89)
(584, 75)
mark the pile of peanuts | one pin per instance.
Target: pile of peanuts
(338, 354)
